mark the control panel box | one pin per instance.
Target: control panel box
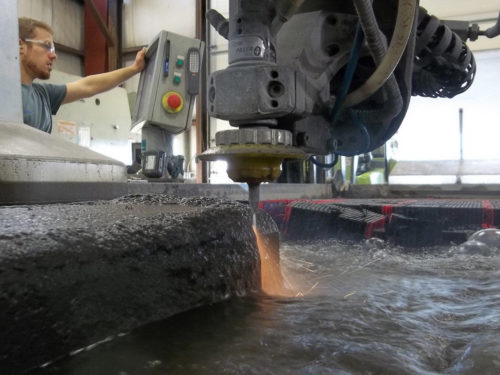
(169, 83)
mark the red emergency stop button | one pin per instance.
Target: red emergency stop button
(172, 102)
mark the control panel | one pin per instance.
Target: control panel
(169, 83)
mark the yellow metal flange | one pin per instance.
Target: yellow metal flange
(253, 163)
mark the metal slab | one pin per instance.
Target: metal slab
(35, 166)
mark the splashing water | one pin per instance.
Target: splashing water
(370, 309)
(272, 280)
(275, 281)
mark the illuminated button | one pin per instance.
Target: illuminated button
(177, 80)
(180, 62)
(172, 102)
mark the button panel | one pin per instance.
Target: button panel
(158, 107)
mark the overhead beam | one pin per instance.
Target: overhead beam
(101, 24)
(132, 50)
(114, 52)
(70, 50)
(96, 57)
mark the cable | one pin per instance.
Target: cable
(444, 65)
(377, 44)
(349, 73)
(219, 22)
(494, 30)
(343, 89)
(355, 118)
(375, 41)
(324, 165)
(399, 40)
(285, 10)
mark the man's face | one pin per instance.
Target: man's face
(36, 58)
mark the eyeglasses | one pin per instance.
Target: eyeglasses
(48, 46)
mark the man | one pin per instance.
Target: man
(37, 55)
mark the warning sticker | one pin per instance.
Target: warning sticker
(66, 127)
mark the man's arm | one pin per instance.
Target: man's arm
(95, 84)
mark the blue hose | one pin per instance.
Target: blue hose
(348, 75)
(342, 92)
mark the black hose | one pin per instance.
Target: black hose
(219, 22)
(317, 163)
(444, 65)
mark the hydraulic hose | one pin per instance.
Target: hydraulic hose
(494, 30)
(399, 40)
(342, 92)
(378, 48)
(348, 75)
(219, 22)
(285, 9)
(444, 65)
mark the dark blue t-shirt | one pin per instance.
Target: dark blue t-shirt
(40, 102)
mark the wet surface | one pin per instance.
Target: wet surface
(367, 309)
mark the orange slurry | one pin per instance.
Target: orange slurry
(272, 281)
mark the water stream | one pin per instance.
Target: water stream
(361, 309)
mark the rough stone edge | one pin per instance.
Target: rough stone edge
(60, 301)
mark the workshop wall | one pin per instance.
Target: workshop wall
(430, 130)
(67, 20)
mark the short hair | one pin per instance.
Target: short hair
(27, 27)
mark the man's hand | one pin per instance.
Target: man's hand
(140, 60)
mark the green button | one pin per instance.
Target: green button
(180, 62)
(177, 80)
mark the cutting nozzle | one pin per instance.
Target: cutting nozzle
(254, 197)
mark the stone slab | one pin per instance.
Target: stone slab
(75, 274)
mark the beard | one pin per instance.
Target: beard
(37, 72)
